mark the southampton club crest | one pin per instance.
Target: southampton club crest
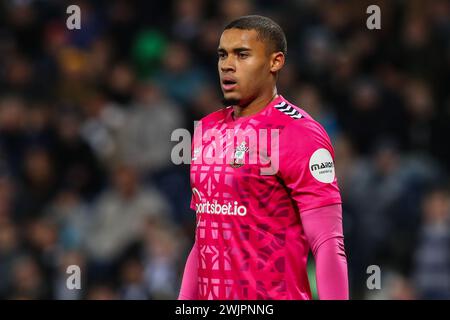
(239, 155)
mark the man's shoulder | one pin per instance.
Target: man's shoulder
(307, 126)
(301, 129)
(294, 118)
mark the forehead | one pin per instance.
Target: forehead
(237, 38)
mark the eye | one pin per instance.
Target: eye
(221, 55)
(243, 55)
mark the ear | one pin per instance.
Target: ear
(276, 61)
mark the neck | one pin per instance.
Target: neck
(255, 105)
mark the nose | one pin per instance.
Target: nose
(227, 64)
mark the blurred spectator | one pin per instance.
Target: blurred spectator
(394, 286)
(421, 114)
(147, 53)
(39, 128)
(27, 280)
(7, 197)
(144, 141)
(132, 281)
(72, 217)
(381, 197)
(74, 87)
(102, 124)
(121, 83)
(432, 254)
(309, 97)
(102, 292)
(180, 78)
(162, 256)
(9, 252)
(118, 219)
(19, 77)
(205, 47)
(368, 119)
(416, 48)
(38, 185)
(12, 135)
(316, 53)
(78, 167)
(187, 18)
(207, 101)
(41, 240)
(233, 9)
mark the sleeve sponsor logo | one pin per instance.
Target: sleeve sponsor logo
(321, 166)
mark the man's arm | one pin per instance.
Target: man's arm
(189, 284)
(323, 229)
(308, 171)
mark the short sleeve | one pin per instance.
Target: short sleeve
(307, 166)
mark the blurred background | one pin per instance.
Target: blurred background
(86, 117)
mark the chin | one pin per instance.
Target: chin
(230, 100)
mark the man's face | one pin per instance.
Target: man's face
(244, 66)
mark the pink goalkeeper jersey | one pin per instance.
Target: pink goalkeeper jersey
(251, 178)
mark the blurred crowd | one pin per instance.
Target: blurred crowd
(86, 117)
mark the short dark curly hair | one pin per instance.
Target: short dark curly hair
(267, 29)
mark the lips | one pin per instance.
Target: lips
(228, 83)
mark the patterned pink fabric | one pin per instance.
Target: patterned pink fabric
(251, 178)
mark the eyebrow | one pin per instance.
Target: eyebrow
(235, 50)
